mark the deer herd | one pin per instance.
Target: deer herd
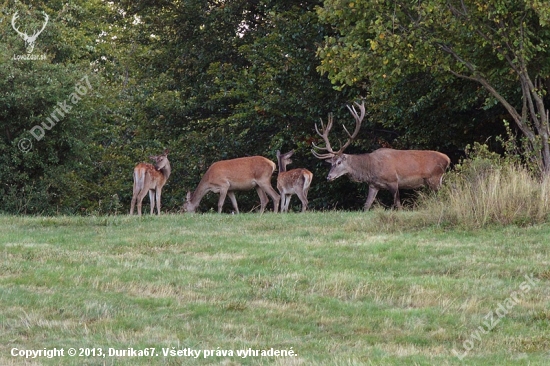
(383, 169)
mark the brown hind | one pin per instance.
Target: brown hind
(295, 181)
(149, 178)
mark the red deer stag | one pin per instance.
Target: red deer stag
(295, 181)
(149, 178)
(383, 168)
(241, 174)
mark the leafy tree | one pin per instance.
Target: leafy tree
(277, 95)
(502, 46)
(236, 78)
(49, 103)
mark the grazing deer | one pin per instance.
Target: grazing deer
(241, 174)
(295, 181)
(384, 168)
(149, 178)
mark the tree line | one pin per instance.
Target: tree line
(214, 80)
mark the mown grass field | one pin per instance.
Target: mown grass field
(336, 288)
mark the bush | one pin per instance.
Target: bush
(489, 189)
(484, 189)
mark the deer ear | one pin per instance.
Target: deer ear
(188, 195)
(278, 153)
(166, 152)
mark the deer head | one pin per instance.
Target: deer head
(160, 160)
(284, 160)
(337, 158)
(29, 40)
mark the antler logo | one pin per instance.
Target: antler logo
(29, 40)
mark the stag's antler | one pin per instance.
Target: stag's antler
(326, 130)
(358, 121)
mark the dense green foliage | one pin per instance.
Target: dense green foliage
(212, 80)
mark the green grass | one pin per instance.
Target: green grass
(337, 288)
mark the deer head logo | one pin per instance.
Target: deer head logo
(29, 40)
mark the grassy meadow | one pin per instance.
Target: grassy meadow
(327, 288)
(335, 288)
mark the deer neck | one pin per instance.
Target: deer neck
(282, 167)
(202, 189)
(166, 170)
(360, 167)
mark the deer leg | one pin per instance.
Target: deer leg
(263, 199)
(135, 195)
(158, 194)
(287, 201)
(233, 199)
(394, 189)
(140, 197)
(152, 200)
(223, 193)
(303, 197)
(306, 190)
(274, 196)
(132, 205)
(371, 196)
(282, 201)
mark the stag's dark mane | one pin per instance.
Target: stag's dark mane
(363, 164)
